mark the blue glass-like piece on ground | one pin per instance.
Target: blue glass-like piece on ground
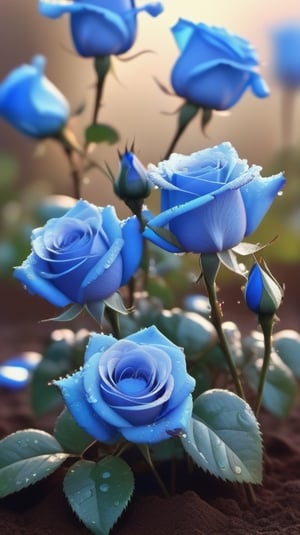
(15, 372)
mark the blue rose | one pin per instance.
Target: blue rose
(83, 256)
(132, 182)
(31, 103)
(286, 57)
(137, 387)
(100, 27)
(210, 200)
(263, 294)
(215, 67)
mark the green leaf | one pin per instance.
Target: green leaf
(189, 330)
(287, 344)
(99, 492)
(68, 315)
(27, 457)
(72, 438)
(96, 310)
(229, 260)
(245, 248)
(57, 361)
(224, 437)
(115, 302)
(100, 133)
(280, 387)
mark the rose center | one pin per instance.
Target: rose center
(132, 385)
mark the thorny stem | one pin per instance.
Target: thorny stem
(186, 113)
(266, 323)
(113, 317)
(209, 276)
(102, 66)
(75, 174)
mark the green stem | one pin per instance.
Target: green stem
(266, 323)
(113, 317)
(210, 266)
(102, 66)
(186, 113)
(144, 449)
(75, 174)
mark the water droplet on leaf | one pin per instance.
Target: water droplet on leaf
(104, 487)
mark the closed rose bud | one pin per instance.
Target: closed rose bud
(132, 182)
(262, 292)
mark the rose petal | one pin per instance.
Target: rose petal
(162, 429)
(72, 389)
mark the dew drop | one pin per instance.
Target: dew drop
(91, 398)
(106, 475)
(237, 470)
(104, 487)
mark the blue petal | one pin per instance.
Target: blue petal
(183, 31)
(258, 86)
(183, 383)
(254, 288)
(133, 247)
(97, 344)
(258, 196)
(74, 396)
(152, 236)
(91, 382)
(176, 422)
(37, 285)
(151, 336)
(111, 223)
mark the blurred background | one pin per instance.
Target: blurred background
(135, 105)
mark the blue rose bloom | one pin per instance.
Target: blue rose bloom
(100, 27)
(31, 103)
(137, 388)
(83, 256)
(215, 67)
(210, 200)
(263, 294)
(286, 54)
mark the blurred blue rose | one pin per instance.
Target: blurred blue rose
(83, 256)
(210, 200)
(263, 295)
(99, 27)
(286, 53)
(137, 387)
(215, 67)
(31, 103)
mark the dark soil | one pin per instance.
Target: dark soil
(210, 506)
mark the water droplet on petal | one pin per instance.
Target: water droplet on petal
(237, 470)
(106, 475)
